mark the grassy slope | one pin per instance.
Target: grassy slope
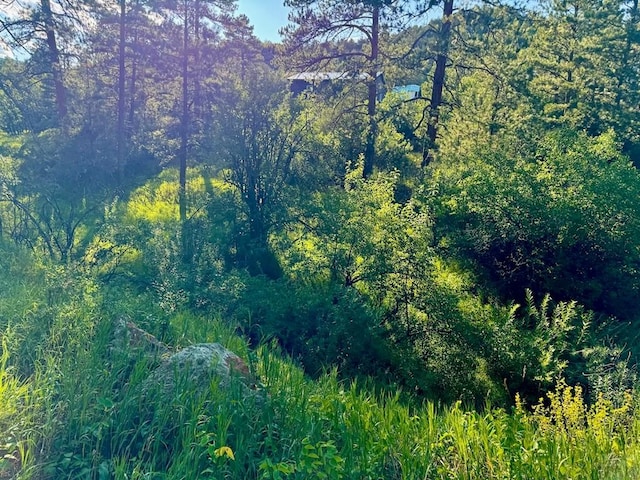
(71, 410)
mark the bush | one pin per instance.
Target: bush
(564, 221)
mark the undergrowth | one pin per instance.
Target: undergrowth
(75, 410)
(92, 424)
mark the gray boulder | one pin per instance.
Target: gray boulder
(129, 340)
(174, 373)
(193, 369)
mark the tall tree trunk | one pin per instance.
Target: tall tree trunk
(133, 83)
(438, 82)
(197, 87)
(370, 152)
(121, 91)
(184, 138)
(54, 58)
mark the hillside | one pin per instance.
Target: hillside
(402, 243)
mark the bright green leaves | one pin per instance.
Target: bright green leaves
(564, 220)
(357, 235)
(9, 163)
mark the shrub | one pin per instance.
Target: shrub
(563, 221)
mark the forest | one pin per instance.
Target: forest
(409, 232)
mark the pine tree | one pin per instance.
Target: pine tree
(326, 33)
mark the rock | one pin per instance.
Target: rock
(194, 367)
(171, 373)
(131, 341)
(159, 388)
(197, 380)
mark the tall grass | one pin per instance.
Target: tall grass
(14, 396)
(80, 412)
(385, 438)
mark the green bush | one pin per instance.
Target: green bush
(366, 293)
(564, 220)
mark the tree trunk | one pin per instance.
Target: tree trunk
(184, 138)
(132, 87)
(370, 152)
(54, 58)
(121, 92)
(197, 87)
(438, 83)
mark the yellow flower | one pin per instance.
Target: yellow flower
(224, 451)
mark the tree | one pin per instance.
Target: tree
(25, 104)
(257, 137)
(131, 68)
(195, 20)
(586, 77)
(54, 54)
(348, 35)
(122, 35)
(438, 79)
(486, 88)
(46, 32)
(559, 217)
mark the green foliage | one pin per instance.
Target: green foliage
(398, 142)
(356, 236)
(100, 425)
(318, 325)
(564, 424)
(44, 205)
(15, 416)
(139, 245)
(369, 297)
(24, 105)
(583, 78)
(558, 332)
(485, 277)
(562, 220)
(416, 315)
(353, 255)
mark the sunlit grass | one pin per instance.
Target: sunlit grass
(81, 415)
(18, 419)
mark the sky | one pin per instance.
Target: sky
(266, 16)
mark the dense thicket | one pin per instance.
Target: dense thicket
(473, 240)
